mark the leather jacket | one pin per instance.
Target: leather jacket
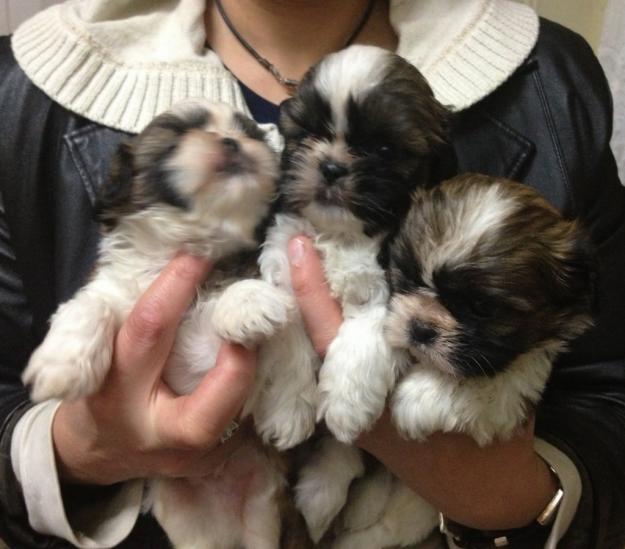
(548, 125)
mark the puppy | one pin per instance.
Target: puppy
(489, 283)
(361, 133)
(199, 178)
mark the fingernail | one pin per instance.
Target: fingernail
(193, 264)
(296, 251)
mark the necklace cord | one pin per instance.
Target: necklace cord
(289, 83)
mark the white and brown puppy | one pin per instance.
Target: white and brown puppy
(199, 178)
(489, 283)
(361, 133)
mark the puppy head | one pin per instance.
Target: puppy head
(362, 131)
(198, 163)
(483, 271)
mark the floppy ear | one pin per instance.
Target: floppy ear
(443, 164)
(114, 196)
(286, 124)
(579, 271)
(573, 284)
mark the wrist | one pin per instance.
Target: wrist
(501, 486)
(535, 534)
(79, 455)
(508, 499)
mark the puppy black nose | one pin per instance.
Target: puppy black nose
(332, 170)
(231, 144)
(420, 333)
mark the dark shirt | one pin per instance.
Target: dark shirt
(263, 111)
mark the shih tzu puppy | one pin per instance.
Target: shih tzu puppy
(361, 133)
(489, 283)
(199, 178)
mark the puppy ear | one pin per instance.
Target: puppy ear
(443, 164)
(289, 126)
(286, 124)
(114, 196)
(574, 284)
(250, 128)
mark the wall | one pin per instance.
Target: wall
(13, 12)
(583, 16)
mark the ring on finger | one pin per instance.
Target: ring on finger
(229, 431)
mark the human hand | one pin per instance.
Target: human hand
(500, 486)
(135, 426)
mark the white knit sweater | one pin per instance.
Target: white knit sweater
(120, 63)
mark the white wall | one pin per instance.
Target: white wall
(583, 16)
(13, 12)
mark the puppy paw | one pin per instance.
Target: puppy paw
(418, 410)
(251, 311)
(356, 376)
(347, 418)
(287, 424)
(320, 507)
(349, 403)
(49, 377)
(72, 361)
(324, 482)
(408, 417)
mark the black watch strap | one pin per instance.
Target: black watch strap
(533, 536)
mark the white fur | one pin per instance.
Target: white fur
(359, 369)
(348, 73)
(251, 311)
(481, 214)
(75, 357)
(406, 519)
(283, 402)
(235, 507)
(358, 372)
(323, 483)
(368, 498)
(428, 400)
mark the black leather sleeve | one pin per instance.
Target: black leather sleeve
(550, 125)
(14, 349)
(16, 344)
(583, 411)
(48, 243)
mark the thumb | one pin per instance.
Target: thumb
(145, 339)
(321, 312)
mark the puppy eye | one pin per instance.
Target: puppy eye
(385, 152)
(482, 308)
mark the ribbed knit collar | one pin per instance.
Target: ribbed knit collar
(121, 63)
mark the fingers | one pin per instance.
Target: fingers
(217, 456)
(198, 420)
(320, 311)
(146, 337)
